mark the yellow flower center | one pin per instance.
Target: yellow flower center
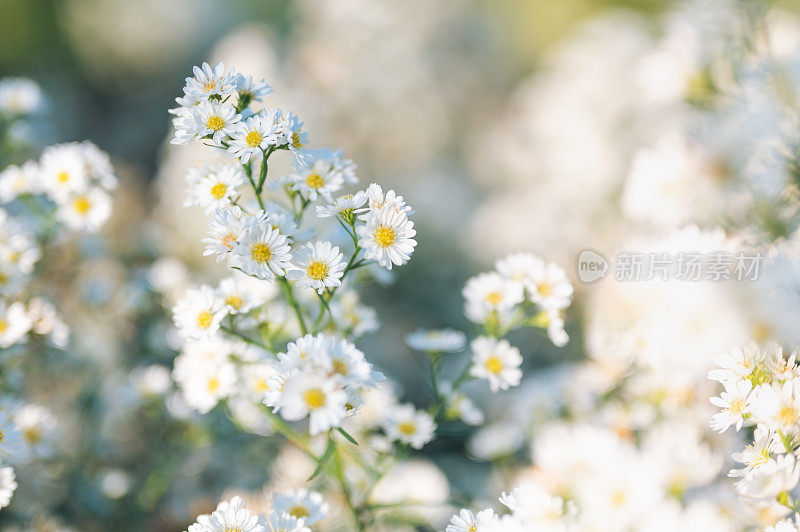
(297, 140)
(314, 398)
(384, 236)
(315, 181)
(219, 190)
(32, 435)
(215, 122)
(213, 384)
(81, 204)
(228, 240)
(787, 415)
(762, 458)
(494, 298)
(494, 365)
(407, 427)
(544, 289)
(253, 139)
(618, 498)
(204, 319)
(340, 367)
(299, 512)
(3, 325)
(210, 86)
(62, 176)
(317, 270)
(260, 252)
(234, 302)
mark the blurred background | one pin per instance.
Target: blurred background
(509, 125)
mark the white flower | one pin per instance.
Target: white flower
(292, 134)
(235, 296)
(225, 228)
(14, 323)
(16, 180)
(549, 286)
(757, 454)
(8, 485)
(214, 187)
(263, 252)
(775, 476)
(207, 119)
(86, 211)
(496, 361)
(37, 426)
(377, 201)
(283, 522)
(208, 82)
(460, 406)
(250, 91)
(735, 404)
(319, 398)
(436, 341)
(409, 425)
(249, 138)
(531, 503)
(198, 313)
(352, 316)
(232, 516)
(777, 405)
(465, 521)
(346, 206)
(302, 504)
(387, 237)
(553, 320)
(20, 96)
(784, 525)
(63, 171)
(490, 292)
(318, 266)
(737, 364)
(316, 178)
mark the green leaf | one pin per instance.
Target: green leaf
(323, 459)
(346, 435)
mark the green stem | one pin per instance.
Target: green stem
(289, 296)
(348, 496)
(242, 337)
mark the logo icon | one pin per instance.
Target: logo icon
(592, 266)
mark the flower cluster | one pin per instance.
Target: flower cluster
(292, 511)
(762, 390)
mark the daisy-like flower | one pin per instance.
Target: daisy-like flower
(377, 201)
(735, 402)
(86, 211)
(765, 445)
(235, 296)
(436, 341)
(251, 91)
(410, 426)
(232, 515)
(777, 404)
(63, 171)
(319, 266)
(739, 363)
(214, 187)
(198, 313)
(263, 252)
(207, 119)
(302, 504)
(497, 361)
(319, 398)
(8, 484)
(37, 426)
(283, 522)
(490, 292)
(291, 132)
(532, 503)
(16, 180)
(387, 237)
(347, 206)
(14, 323)
(784, 525)
(210, 82)
(549, 286)
(466, 521)
(20, 96)
(316, 179)
(251, 137)
(553, 321)
(225, 228)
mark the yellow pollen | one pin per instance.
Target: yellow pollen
(340, 367)
(317, 270)
(735, 407)
(3, 325)
(210, 86)
(81, 204)
(544, 289)
(215, 122)
(314, 398)
(297, 141)
(253, 139)
(762, 458)
(494, 365)
(261, 385)
(62, 176)
(219, 190)
(472, 528)
(234, 302)
(299, 512)
(260, 252)
(787, 416)
(204, 319)
(494, 298)
(228, 240)
(315, 181)
(213, 384)
(407, 427)
(618, 498)
(384, 236)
